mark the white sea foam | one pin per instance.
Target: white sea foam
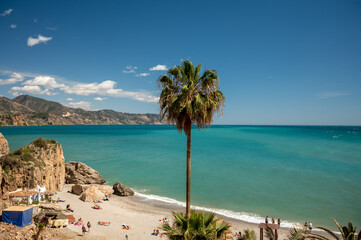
(243, 216)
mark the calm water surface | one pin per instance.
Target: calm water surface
(294, 173)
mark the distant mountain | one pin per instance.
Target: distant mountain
(26, 110)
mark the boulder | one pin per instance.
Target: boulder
(4, 146)
(95, 193)
(121, 190)
(79, 173)
(78, 189)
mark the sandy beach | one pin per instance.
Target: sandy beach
(142, 215)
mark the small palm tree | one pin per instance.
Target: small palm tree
(200, 226)
(188, 98)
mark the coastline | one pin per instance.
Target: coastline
(141, 214)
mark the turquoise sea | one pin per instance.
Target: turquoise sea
(294, 173)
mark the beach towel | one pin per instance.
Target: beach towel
(103, 223)
(71, 218)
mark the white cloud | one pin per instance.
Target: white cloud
(99, 99)
(82, 104)
(142, 74)
(46, 81)
(159, 68)
(14, 78)
(107, 88)
(31, 90)
(42, 84)
(7, 12)
(40, 39)
(69, 99)
(12, 26)
(323, 95)
(130, 69)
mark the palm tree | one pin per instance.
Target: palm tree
(200, 226)
(188, 98)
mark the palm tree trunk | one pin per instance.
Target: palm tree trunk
(188, 198)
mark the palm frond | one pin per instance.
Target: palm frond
(270, 233)
(339, 228)
(329, 232)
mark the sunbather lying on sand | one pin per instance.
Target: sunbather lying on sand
(126, 227)
(97, 207)
(103, 223)
(69, 208)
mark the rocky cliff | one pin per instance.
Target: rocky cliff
(39, 163)
(26, 110)
(4, 146)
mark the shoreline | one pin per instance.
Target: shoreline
(141, 214)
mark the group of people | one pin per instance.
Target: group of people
(273, 221)
(157, 233)
(84, 229)
(308, 226)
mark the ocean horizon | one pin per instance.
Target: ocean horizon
(296, 173)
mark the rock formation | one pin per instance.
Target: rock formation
(121, 190)
(4, 146)
(78, 189)
(39, 163)
(96, 193)
(79, 173)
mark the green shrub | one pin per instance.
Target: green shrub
(26, 150)
(35, 202)
(18, 152)
(51, 141)
(40, 142)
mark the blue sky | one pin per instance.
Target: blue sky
(279, 62)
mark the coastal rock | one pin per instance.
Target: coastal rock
(121, 190)
(95, 193)
(39, 163)
(4, 146)
(78, 189)
(79, 173)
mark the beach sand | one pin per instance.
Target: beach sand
(142, 215)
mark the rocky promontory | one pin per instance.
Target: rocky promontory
(39, 163)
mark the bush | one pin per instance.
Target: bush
(35, 202)
(40, 142)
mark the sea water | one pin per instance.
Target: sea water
(294, 173)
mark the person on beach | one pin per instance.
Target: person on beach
(273, 220)
(80, 222)
(310, 226)
(83, 229)
(279, 221)
(305, 226)
(69, 208)
(266, 220)
(89, 226)
(106, 198)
